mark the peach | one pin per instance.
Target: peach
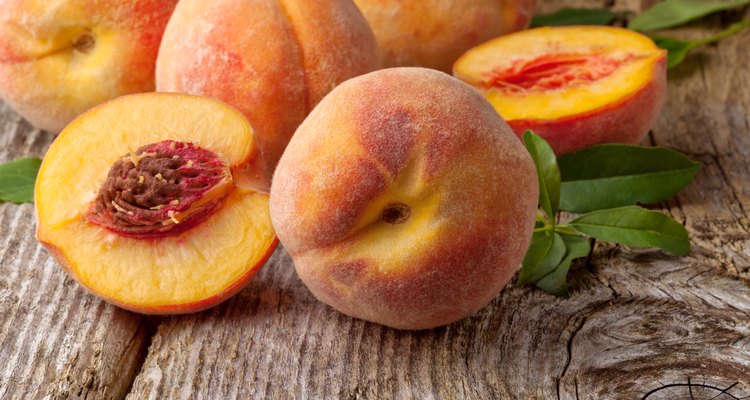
(575, 86)
(404, 199)
(271, 59)
(434, 34)
(150, 201)
(58, 58)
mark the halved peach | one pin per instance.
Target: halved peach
(150, 202)
(574, 86)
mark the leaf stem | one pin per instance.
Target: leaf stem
(564, 229)
(734, 28)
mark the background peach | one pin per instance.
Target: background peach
(58, 58)
(405, 199)
(271, 59)
(434, 33)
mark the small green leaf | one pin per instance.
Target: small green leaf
(672, 13)
(634, 226)
(541, 242)
(616, 175)
(678, 49)
(556, 281)
(545, 253)
(17, 180)
(574, 16)
(547, 172)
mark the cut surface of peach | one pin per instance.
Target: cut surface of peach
(207, 230)
(576, 86)
(549, 73)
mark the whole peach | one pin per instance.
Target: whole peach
(435, 33)
(58, 58)
(404, 199)
(271, 59)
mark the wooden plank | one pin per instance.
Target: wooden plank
(56, 341)
(639, 322)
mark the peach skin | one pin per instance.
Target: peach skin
(58, 58)
(404, 199)
(271, 59)
(435, 33)
(575, 86)
(147, 207)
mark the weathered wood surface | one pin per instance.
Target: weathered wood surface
(55, 339)
(639, 323)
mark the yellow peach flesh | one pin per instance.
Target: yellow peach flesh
(174, 270)
(183, 272)
(636, 54)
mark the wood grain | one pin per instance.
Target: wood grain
(56, 341)
(639, 323)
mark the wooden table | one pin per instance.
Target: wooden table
(639, 323)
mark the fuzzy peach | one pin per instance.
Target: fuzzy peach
(150, 201)
(574, 86)
(434, 34)
(404, 199)
(271, 59)
(58, 58)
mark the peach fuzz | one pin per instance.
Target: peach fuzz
(434, 34)
(271, 59)
(150, 202)
(404, 199)
(574, 86)
(58, 58)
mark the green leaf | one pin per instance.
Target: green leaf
(545, 253)
(574, 16)
(17, 180)
(547, 172)
(672, 13)
(556, 281)
(616, 175)
(677, 49)
(634, 226)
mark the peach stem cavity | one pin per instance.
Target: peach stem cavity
(161, 189)
(553, 71)
(396, 213)
(85, 42)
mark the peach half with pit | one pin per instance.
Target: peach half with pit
(404, 199)
(433, 34)
(151, 202)
(59, 58)
(271, 59)
(575, 86)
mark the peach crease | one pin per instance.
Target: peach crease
(161, 189)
